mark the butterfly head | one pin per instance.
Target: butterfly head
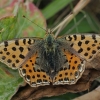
(49, 42)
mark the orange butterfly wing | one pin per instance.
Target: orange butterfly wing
(86, 46)
(79, 48)
(70, 74)
(33, 74)
(13, 52)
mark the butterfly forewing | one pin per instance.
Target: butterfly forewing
(13, 52)
(86, 46)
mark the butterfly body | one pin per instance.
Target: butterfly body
(50, 60)
(52, 57)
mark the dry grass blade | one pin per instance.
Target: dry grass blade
(81, 4)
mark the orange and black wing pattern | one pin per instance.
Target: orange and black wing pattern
(71, 71)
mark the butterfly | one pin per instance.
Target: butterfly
(50, 60)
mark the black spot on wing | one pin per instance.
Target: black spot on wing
(9, 60)
(39, 80)
(86, 54)
(38, 75)
(24, 41)
(75, 62)
(70, 38)
(3, 57)
(13, 56)
(21, 49)
(66, 79)
(16, 42)
(38, 70)
(75, 37)
(27, 65)
(86, 42)
(60, 75)
(29, 42)
(36, 63)
(79, 43)
(21, 56)
(34, 69)
(33, 76)
(65, 68)
(5, 49)
(1, 52)
(80, 50)
(88, 48)
(44, 80)
(30, 60)
(24, 71)
(5, 43)
(73, 68)
(14, 48)
(95, 41)
(44, 76)
(13, 65)
(82, 37)
(90, 57)
(98, 47)
(93, 52)
(42, 70)
(66, 73)
(28, 77)
(65, 61)
(7, 53)
(29, 49)
(17, 61)
(93, 45)
(72, 45)
(30, 70)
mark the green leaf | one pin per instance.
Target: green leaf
(28, 28)
(9, 82)
(8, 28)
(54, 7)
(83, 24)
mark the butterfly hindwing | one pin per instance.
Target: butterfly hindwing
(33, 74)
(70, 74)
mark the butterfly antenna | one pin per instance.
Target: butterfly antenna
(34, 23)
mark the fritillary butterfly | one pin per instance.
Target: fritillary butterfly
(50, 60)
